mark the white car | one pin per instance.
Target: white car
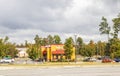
(7, 60)
(93, 59)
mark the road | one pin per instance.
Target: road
(61, 71)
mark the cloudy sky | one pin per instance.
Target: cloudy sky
(22, 19)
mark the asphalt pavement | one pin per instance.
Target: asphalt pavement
(61, 71)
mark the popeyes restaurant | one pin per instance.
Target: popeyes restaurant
(55, 52)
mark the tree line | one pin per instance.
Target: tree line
(89, 50)
(110, 48)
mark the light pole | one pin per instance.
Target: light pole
(96, 50)
(75, 48)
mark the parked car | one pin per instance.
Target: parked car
(6, 60)
(93, 59)
(117, 59)
(106, 60)
(90, 59)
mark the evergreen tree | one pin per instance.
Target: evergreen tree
(79, 44)
(50, 39)
(104, 27)
(57, 39)
(68, 46)
(116, 26)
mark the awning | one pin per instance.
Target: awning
(58, 52)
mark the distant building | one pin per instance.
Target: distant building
(22, 52)
(55, 52)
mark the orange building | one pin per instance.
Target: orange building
(55, 52)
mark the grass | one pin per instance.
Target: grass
(62, 64)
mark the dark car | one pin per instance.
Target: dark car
(117, 59)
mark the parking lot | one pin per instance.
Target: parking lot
(61, 71)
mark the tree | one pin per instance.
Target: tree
(37, 40)
(32, 52)
(26, 43)
(6, 39)
(91, 46)
(83, 50)
(7, 48)
(35, 49)
(11, 50)
(68, 46)
(104, 27)
(114, 48)
(116, 26)
(57, 39)
(88, 50)
(50, 39)
(44, 41)
(100, 48)
(79, 44)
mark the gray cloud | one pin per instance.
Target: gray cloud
(54, 16)
(16, 13)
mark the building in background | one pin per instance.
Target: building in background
(55, 52)
(22, 52)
